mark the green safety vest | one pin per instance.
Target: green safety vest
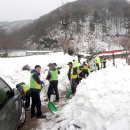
(76, 64)
(74, 76)
(89, 71)
(98, 60)
(54, 75)
(85, 67)
(34, 84)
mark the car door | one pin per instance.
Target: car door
(10, 107)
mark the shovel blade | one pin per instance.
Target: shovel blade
(52, 107)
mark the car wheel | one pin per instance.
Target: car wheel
(22, 117)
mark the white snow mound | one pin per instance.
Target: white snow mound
(102, 102)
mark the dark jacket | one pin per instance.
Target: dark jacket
(104, 60)
(36, 77)
(69, 73)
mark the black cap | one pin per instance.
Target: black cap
(70, 63)
(54, 64)
(50, 65)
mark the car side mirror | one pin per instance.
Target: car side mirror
(10, 93)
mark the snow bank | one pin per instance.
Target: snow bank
(102, 101)
(11, 68)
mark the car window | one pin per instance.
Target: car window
(5, 92)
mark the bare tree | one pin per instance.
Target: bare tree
(66, 27)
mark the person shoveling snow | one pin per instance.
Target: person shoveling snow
(53, 82)
(35, 89)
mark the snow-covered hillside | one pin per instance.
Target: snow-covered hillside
(86, 41)
(81, 24)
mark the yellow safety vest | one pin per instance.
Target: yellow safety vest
(34, 84)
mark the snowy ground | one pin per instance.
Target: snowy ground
(102, 100)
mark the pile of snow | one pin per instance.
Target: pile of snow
(11, 68)
(102, 101)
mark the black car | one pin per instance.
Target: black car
(12, 110)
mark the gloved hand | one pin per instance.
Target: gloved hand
(43, 85)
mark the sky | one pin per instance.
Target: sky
(13, 10)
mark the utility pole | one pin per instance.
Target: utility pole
(113, 56)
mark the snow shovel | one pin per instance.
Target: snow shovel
(68, 92)
(52, 107)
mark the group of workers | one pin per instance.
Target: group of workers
(34, 88)
(100, 63)
(75, 74)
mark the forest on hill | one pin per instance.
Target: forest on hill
(73, 23)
